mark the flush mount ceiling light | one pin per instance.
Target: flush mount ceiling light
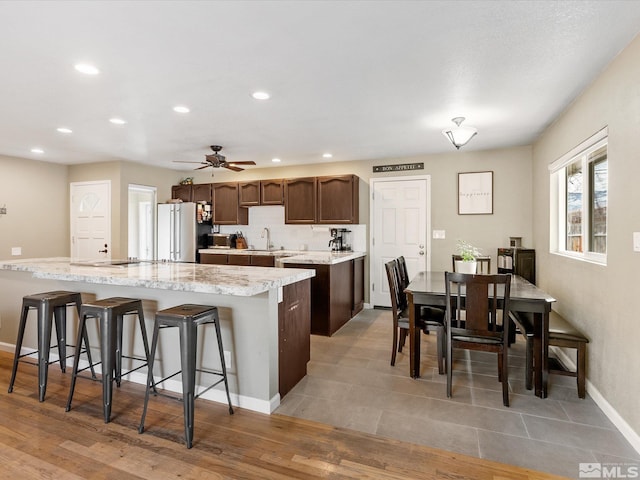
(64, 130)
(327, 155)
(458, 135)
(275, 160)
(181, 109)
(261, 95)
(37, 150)
(87, 69)
(117, 121)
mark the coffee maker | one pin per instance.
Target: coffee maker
(339, 241)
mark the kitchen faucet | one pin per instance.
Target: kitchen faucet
(266, 230)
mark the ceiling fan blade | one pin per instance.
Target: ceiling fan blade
(231, 167)
(183, 161)
(249, 162)
(200, 168)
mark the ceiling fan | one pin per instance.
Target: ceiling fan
(217, 160)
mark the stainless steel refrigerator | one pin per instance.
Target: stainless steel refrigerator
(177, 232)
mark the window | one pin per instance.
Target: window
(579, 200)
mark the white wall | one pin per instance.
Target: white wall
(600, 300)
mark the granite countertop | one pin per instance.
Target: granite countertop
(187, 277)
(292, 256)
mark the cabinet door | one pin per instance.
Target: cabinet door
(213, 258)
(358, 286)
(300, 200)
(338, 199)
(226, 208)
(271, 192)
(239, 259)
(263, 260)
(201, 192)
(183, 192)
(294, 336)
(526, 265)
(249, 194)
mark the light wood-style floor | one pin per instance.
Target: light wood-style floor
(41, 441)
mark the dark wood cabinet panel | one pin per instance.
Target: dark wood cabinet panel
(201, 192)
(300, 200)
(519, 261)
(294, 342)
(357, 271)
(249, 193)
(213, 258)
(226, 207)
(263, 260)
(182, 192)
(239, 259)
(338, 199)
(271, 192)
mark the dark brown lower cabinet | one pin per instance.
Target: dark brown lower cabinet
(337, 294)
(213, 258)
(294, 343)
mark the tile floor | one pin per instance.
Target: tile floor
(351, 384)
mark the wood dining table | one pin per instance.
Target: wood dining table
(427, 288)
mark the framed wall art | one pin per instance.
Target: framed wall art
(475, 193)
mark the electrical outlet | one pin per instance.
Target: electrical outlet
(439, 234)
(636, 241)
(16, 251)
(227, 359)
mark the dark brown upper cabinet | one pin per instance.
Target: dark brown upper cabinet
(300, 200)
(338, 199)
(226, 205)
(272, 192)
(201, 192)
(182, 192)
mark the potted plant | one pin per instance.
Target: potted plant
(468, 254)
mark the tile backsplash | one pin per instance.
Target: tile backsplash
(292, 237)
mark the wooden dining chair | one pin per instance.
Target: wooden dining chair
(400, 311)
(484, 301)
(432, 313)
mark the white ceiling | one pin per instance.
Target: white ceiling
(359, 79)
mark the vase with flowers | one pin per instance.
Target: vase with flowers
(467, 262)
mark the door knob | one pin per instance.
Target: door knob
(421, 252)
(420, 246)
(105, 249)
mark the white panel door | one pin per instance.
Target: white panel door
(400, 221)
(90, 220)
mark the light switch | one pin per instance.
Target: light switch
(636, 241)
(439, 234)
(16, 251)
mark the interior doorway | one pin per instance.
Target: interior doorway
(90, 220)
(400, 222)
(142, 222)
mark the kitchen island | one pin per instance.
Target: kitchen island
(264, 316)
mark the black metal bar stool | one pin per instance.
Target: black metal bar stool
(110, 312)
(187, 318)
(49, 305)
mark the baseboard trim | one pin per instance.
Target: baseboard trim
(625, 429)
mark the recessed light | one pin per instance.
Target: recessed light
(87, 69)
(64, 130)
(117, 121)
(275, 160)
(261, 95)
(37, 150)
(327, 155)
(181, 109)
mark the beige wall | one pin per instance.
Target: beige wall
(36, 195)
(599, 299)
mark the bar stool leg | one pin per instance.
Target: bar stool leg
(108, 340)
(16, 356)
(82, 334)
(188, 342)
(60, 316)
(150, 382)
(222, 362)
(45, 320)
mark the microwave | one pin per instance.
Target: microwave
(219, 240)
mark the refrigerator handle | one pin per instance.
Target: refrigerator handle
(172, 229)
(176, 234)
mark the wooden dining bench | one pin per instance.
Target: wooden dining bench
(564, 334)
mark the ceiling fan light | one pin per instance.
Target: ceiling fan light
(458, 135)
